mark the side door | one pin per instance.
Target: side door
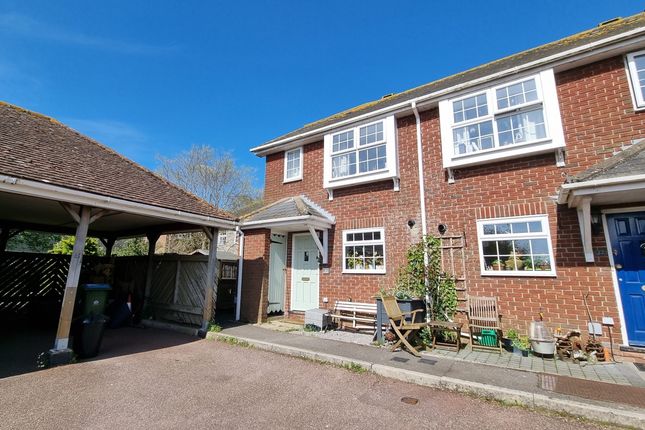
(627, 234)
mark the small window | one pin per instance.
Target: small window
(364, 251)
(229, 271)
(636, 69)
(221, 239)
(516, 246)
(293, 165)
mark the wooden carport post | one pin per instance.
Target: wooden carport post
(211, 277)
(153, 237)
(73, 275)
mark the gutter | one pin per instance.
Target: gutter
(240, 267)
(61, 194)
(557, 59)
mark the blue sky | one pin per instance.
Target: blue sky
(152, 78)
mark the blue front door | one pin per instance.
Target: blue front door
(627, 233)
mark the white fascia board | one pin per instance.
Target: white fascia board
(302, 220)
(570, 56)
(61, 194)
(576, 189)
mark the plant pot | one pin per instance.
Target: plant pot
(507, 344)
(525, 352)
(543, 346)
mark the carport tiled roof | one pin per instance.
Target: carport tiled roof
(628, 162)
(38, 148)
(603, 31)
(288, 207)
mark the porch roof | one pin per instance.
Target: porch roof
(296, 212)
(615, 180)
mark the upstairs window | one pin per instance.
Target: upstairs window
(363, 153)
(370, 155)
(636, 69)
(221, 238)
(490, 123)
(293, 165)
(364, 251)
(518, 246)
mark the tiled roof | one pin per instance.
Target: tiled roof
(611, 28)
(39, 148)
(288, 207)
(628, 162)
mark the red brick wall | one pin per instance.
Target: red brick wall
(255, 275)
(598, 118)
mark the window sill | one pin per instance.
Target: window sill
(363, 272)
(503, 153)
(364, 178)
(523, 274)
(286, 181)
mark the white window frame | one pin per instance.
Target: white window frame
(632, 77)
(222, 238)
(286, 156)
(233, 267)
(547, 99)
(364, 242)
(391, 164)
(545, 234)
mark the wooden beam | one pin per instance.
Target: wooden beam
(74, 214)
(109, 245)
(153, 237)
(73, 275)
(208, 233)
(210, 295)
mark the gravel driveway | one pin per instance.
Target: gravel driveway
(210, 384)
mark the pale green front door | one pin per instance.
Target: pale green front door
(305, 273)
(277, 261)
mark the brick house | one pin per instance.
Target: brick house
(537, 161)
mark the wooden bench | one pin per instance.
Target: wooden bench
(362, 315)
(437, 326)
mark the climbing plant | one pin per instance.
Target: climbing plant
(428, 282)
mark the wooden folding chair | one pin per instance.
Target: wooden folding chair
(404, 330)
(483, 314)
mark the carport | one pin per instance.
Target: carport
(54, 179)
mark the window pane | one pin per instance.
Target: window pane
(343, 141)
(350, 236)
(519, 227)
(503, 228)
(516, 94)
(489, 247)
(505, 247)
(293, 164)
(372, 159)
(489, 228)
(521, 127)
(473, 138)
(343, 165)
(639, 61)
(371, 133)
(377, 235)
(378, 251)
(522, 247)
(470, 108)
(535, 227)
(540, 246)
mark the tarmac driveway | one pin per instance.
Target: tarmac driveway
(210, 384)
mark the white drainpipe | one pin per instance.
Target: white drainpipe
(240, 265)
(422, 200)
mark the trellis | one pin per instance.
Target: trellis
(453, 262)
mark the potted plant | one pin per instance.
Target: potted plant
(521, 345)
(528, 263)
(514, 263)
(542, 264)
(497, 264)
(507, 341)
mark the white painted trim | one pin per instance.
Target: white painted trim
(636, 92)
(67, 195)
(618, 42)
(584, 222)
(623, 210)
(293, 252)
(240, 268)
(300, 157)
(422, 186)
(371, 242)
(290, 221)
(623, 183)
(546, 233)
(614, 278)
(391, 164)
(547, 100)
